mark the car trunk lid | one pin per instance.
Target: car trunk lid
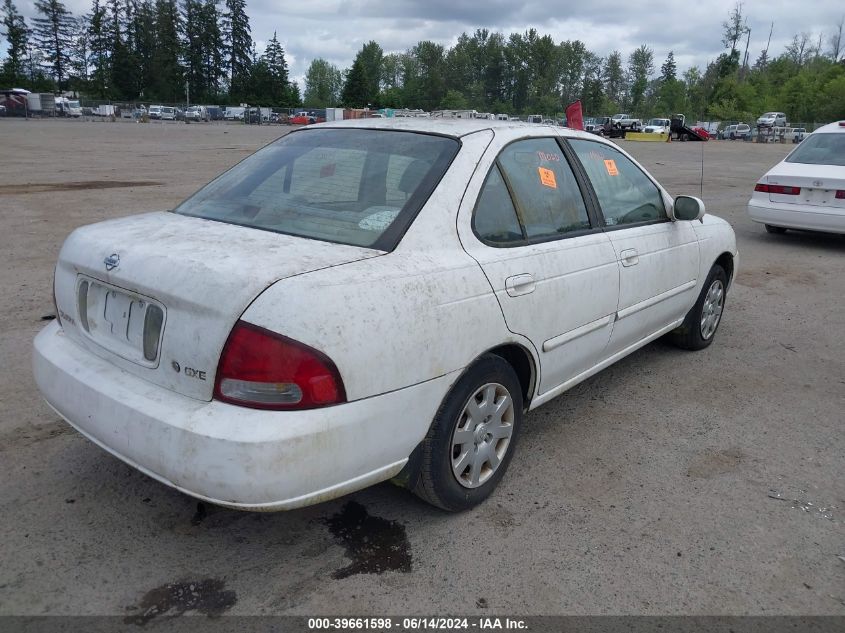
(818, 184)
(158, 294)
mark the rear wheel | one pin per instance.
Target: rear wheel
(472, 438)
(777, 230)
(699, 327)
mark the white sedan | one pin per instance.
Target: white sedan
(806, 190)
(368, 300)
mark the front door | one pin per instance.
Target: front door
(658, 258)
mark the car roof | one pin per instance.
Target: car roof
(456, 127)
(836, 126)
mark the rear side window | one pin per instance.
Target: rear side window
(350, 186)
(625, 193)
(495, 218)
(546, 195)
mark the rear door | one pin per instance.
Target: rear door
(551, 267)
(658, 258)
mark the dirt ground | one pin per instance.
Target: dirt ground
(671, 483)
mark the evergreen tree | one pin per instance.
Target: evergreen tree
(212, 49)
(356, 88)
(238, 38)
(141, 33)
(193, 48)
(668, 71)
(277, 71)
(124, 66)
(16, 34)
(80, 54)
(99, 47)
(53, 34)
(370, 56)
(168, 84)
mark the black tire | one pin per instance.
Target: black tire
(690, 334)
(777, 230)
(733, 136)
(437, 482)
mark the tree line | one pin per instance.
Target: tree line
(162, 50)
(155, 49)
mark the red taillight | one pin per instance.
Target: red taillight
(264, 370)
(840, 195)
(778, 189)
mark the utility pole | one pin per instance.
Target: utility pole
(187, 94)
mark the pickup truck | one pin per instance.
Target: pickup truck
(626, 122)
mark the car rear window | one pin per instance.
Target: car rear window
(350, 186)
(820, 149)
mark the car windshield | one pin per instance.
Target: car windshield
(359, 187)
(820, 149)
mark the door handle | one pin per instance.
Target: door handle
(629, 257)
(520, 284)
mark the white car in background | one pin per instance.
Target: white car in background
(366, 300)
(806, 190)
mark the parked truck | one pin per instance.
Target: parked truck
(626, 122)
(42, 103)
(680, 131)
(68, 107)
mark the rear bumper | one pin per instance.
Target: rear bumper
(798, 216)
(228, 455)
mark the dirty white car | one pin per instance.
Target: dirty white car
(806, 190)
(368, 300)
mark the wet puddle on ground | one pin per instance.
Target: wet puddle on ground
(207, 597)
(375, 545)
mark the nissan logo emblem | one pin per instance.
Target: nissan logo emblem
(112, 261)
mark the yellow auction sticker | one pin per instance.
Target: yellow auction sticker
(610, 166)
(547, 177)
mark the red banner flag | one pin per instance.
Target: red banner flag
(574, 116)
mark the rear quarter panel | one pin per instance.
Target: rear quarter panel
(420, 312)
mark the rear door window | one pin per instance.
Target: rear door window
(548, 200)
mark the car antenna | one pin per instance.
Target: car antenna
(701, 184)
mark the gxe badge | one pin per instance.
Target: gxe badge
(112, 261)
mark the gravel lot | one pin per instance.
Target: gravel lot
(649, 489)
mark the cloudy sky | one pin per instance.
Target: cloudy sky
(336, 29)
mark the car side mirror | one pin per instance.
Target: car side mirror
(688, 208)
